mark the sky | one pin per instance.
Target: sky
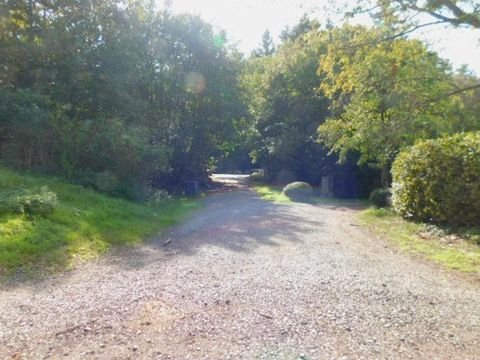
(246, 20)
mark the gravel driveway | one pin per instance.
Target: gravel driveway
(248, 279)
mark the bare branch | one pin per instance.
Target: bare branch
(397, 35)
(472, 87)
(460, 14)
(460, 17)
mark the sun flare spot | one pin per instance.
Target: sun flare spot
(195, 82)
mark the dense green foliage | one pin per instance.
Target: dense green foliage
(380, 103)
(439, 180)
(359, 95)
(125, 99)
(82, 224)
(113, 94)
(286, 105)
(298, 190)
(280, 92)
(379, 197)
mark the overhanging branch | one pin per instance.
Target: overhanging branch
(472, 87)
(397, 35)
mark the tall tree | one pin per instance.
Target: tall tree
(93, 86)
(267, 47)
(453, 12)
(305, 25)
(385, 96)
(287, 109)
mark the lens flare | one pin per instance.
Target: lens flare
(218, 41)
(195, 83)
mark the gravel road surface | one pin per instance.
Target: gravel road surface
(248, 279)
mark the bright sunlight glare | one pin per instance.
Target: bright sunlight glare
(246, 20)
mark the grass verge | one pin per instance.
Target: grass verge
(84, 225)
(453, 248)
(275, 194)
(270, 192)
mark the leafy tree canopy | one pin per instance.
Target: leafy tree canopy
(385, 95)
(89, 86)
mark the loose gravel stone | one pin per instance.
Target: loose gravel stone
(248, 279)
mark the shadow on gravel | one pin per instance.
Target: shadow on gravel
(234, 218)
(238, 221)
(336, 204)
(333, 203)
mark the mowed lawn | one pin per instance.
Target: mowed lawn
(84, 225)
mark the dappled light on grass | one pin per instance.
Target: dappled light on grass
(84, 225)
(275, 194)
(271, 193)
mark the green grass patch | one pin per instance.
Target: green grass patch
(270, 193)
(84, 225)
(453, 248)
(275, 194)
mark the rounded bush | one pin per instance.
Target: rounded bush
(379, 197)
(298, 190)
(439, 180)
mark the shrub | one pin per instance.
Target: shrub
(439, 180)
(298, 190)
(106, 181)
(41, 203)
(379, 197)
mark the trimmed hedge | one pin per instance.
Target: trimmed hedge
(298, 190)
(439, 180)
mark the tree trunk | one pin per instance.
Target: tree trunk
(386, 177)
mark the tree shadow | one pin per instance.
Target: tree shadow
(333, 203)
(233, 218)
(238, 221)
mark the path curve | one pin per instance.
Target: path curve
(248, 279)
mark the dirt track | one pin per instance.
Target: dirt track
(248, 279)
